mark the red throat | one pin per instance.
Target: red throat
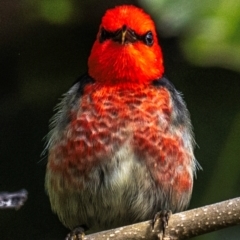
(114, 63)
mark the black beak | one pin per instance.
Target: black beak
(124, 35)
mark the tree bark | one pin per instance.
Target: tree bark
(183, 225)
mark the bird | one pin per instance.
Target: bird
(121, 145)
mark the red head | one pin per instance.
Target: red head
(126, 49)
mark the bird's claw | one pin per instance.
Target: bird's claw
(76, 234)
(163, 216)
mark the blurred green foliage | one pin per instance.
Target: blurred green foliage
(44, 46)
(209, 30)
(55, 11)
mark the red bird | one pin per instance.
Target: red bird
(121, 144)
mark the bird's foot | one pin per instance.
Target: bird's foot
(76, 234)
(163, 216)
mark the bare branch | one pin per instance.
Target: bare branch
(13, 200)
(181, 225)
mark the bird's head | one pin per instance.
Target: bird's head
(126, 49)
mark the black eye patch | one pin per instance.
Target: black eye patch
(146, 38)
(104, 35)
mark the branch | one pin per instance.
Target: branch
(13, 200)
(182, 225)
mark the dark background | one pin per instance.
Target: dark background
(44, 46)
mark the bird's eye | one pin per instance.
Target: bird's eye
(148, 38)
(104, 35)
